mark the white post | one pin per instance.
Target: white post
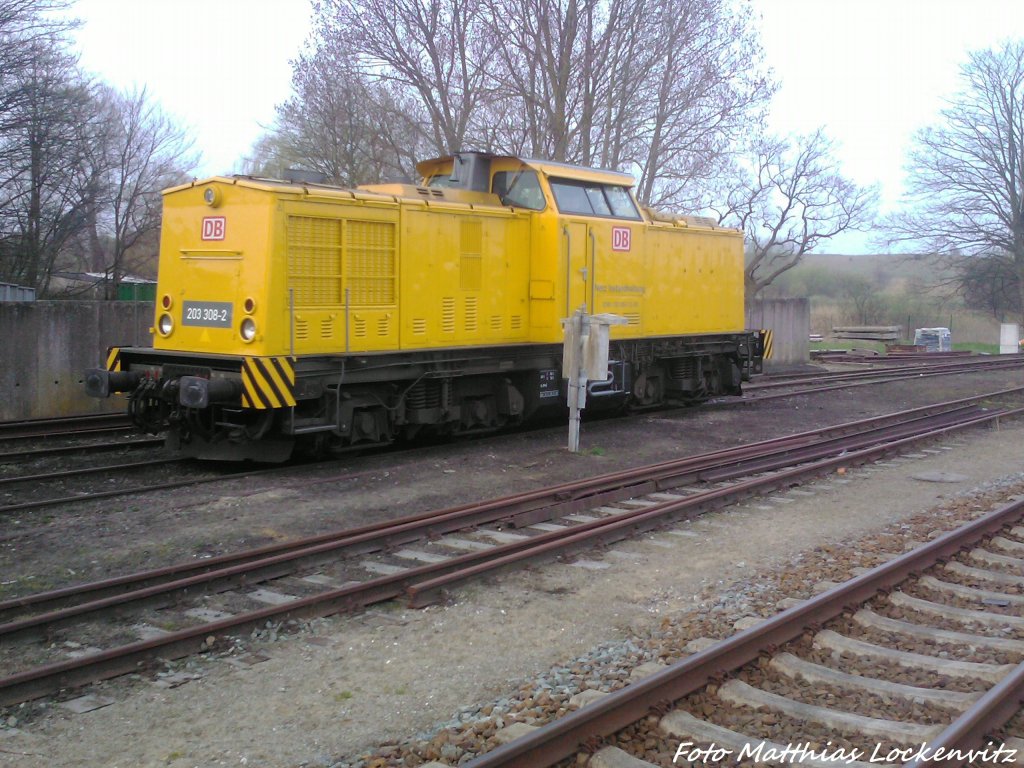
(584, 358)
(577, 394)
(1009, 339)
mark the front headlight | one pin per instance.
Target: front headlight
(165, 325)
(248, 329)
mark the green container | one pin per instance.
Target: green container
(136, 292)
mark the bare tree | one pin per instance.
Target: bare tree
(341, 123)
(989, 283)
(26, 27)
(145, 151)
(37, 102)
(660, 89)
(42, 191)
(550, 73)
(81, 166)
(706, 88)
(866, 306)
(790, 201)
(436, 49)
(966, 178)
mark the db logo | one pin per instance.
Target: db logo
(621, 238)
(213, 227)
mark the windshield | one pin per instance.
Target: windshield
(519, 188)
(440, 180)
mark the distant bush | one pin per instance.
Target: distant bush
(911, 292)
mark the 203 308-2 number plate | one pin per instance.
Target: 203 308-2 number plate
(209, 314)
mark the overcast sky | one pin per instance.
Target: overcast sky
(870, 71)
(218, 66)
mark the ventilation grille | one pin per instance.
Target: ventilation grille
(314, 260)
(419, 326)
(318, 246)
(471, 317)
(448, 315)
(516, 322)
(359, 327)
(370, 262)
(496, 322)
(632, 318)
(327, 328)
(301, 329)
(383, 325)
(470, 258)
(470, 272)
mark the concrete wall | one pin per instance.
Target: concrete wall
(790, 321)
(45, 346)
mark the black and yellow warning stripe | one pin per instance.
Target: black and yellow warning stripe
(268, 382)
(766, 343)
(114, 359)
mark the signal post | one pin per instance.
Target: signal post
(584, 359)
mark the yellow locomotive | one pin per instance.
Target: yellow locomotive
(291, 312)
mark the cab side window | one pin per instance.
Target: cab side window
(593, 199)
(518, 188)
(621, 203)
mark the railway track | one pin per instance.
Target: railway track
(904, 664)
(350, 569)
(30, 441)
(912, 358)
(33, 454)
(22, 492)
(63, 427)
(50, 489)
(809, 383)
(903, 367)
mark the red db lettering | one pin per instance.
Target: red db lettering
(214, 227)
(621, 238)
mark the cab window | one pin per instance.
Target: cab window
(621, 203)
(518, 188)
(593, 199)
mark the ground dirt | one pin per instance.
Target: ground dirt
(337, 687)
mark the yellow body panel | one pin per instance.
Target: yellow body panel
(224, 270)
(321, 270)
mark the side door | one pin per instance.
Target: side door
(579, 271)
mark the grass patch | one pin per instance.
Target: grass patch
(848, 344)
(343, 696)
(879, 347)
(24, 584)
(977, 346)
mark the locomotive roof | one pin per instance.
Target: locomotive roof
(426, 168)
(547, 167)
(264, 183)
